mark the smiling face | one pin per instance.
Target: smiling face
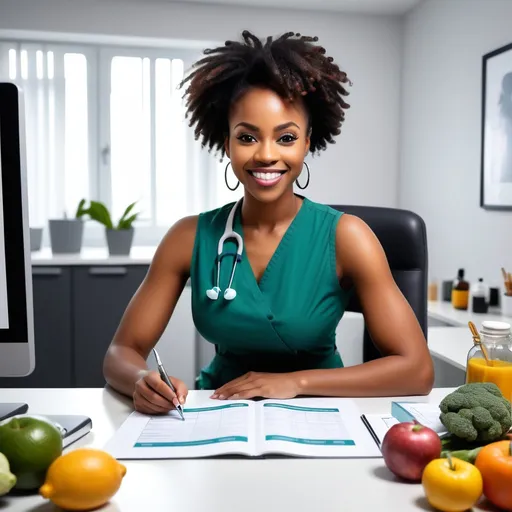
(268, 140)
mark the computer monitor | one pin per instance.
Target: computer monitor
(17, 358)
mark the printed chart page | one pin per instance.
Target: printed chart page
(314, 428)
(378, 425)
(206, 431)
(4, 311)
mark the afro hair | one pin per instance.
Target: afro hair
(290, 65)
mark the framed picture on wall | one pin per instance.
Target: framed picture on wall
(496, 152)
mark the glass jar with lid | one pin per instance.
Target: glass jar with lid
(491, 361)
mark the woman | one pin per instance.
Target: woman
(266, 106)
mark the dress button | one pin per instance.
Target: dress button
(270, 316)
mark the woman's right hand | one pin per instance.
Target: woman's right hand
(153, 396)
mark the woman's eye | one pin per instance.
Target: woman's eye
(245, 137)
(288, 138)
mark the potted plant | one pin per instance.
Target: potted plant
(66, 233)
(36, 238)
(120, 236)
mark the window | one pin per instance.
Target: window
(57, 113)
(109, 124)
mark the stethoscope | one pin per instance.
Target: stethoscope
(229, 293)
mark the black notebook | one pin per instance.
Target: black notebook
(11, 409)
(71, 426)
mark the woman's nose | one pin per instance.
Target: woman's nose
(266, 153)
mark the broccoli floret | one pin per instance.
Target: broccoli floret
(476, 412)
(466, 413)
(459, 426)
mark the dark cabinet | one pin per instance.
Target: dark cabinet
(100, 295)
(51, 287)
(77, 309)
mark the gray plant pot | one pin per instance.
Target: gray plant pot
(36, 238)
(119, 241)
(66, 235)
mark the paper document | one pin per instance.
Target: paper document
(425, 413)
(208, 425)
(283, 422)
(378, 425)
(298, 427)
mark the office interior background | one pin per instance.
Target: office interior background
(105, 122)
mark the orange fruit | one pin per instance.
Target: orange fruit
(495, 463)
(82, 479)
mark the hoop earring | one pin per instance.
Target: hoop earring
(307, 182)
(226, 178)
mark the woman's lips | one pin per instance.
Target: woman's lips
(267, 178)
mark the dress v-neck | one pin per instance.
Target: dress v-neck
(280, 246)
(286, 323)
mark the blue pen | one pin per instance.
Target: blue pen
(165, 378)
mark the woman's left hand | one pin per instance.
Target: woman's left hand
(255, 384)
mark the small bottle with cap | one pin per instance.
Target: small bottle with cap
(491, 359)
(480, 297)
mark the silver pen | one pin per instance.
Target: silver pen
(165, 378)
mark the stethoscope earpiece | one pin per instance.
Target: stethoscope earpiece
(229, 293)
(213, 293)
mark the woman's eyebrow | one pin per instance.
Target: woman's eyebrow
(276, 129)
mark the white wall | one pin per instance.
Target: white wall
(444, 42)
(362, 167)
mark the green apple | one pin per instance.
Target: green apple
(30, 445)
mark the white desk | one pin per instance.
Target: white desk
(447, 314)
(222, 484)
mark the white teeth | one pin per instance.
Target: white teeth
(266, 175)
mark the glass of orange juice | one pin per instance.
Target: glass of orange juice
(492, 360)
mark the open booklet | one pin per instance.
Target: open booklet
(301, 427)
(425, 413)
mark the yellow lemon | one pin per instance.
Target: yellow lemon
(82, 479)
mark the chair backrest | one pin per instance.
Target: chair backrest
(403, 236)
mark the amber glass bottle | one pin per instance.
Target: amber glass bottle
(460, 291)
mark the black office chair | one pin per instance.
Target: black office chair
(403, 236)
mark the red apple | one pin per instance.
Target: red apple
(408, 447)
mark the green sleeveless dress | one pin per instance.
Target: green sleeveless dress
(286, 321)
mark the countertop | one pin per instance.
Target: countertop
(139, 255)
(445, 312)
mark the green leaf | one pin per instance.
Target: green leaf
(98, 211)
(127, 223)
(126, 212)
(80, 211)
